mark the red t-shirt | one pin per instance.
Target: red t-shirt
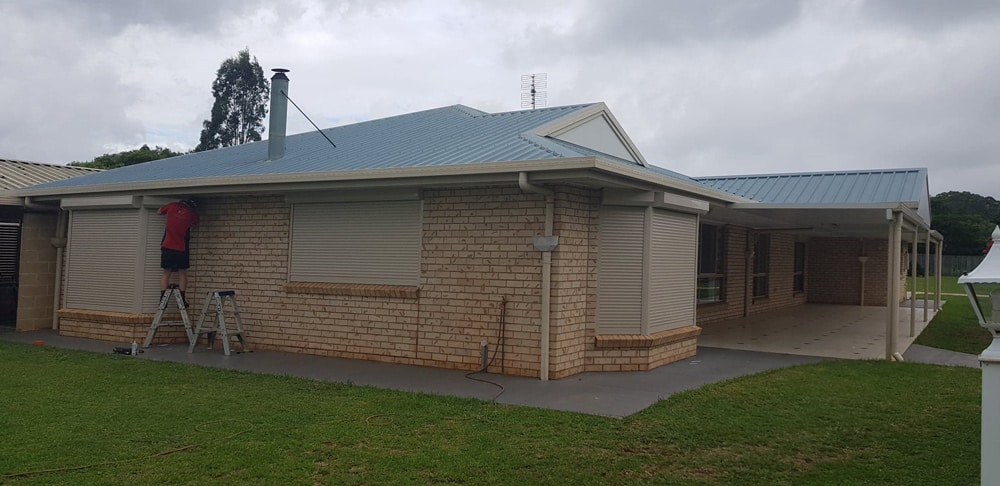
(180, 219)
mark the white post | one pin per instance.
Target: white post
(939, 249)
(927, 272)
(990, 361)
(913, 281)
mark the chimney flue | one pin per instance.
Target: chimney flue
(279, 114)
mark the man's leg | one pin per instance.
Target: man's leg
(164, 279)
(182, 279)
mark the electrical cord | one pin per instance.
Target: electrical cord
(197, 428)
(500, 346)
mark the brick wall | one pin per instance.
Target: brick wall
(780, 276)
(36, 278)
(834, 272)
(478, 263)
(574, 280)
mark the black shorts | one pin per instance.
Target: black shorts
(174, 260)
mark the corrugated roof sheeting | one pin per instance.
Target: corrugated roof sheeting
(442, 136)
(16, 174)
(848, 187)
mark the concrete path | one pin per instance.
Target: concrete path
(607, 394)
(924, 354)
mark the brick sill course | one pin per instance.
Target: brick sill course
(357, 290)
(662, 338)
(108, 317)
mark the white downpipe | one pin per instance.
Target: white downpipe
(522, 182)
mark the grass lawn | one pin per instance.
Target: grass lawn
(956, 328)
(148, 422)
(949, 285)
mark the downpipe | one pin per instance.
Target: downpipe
(546, 244)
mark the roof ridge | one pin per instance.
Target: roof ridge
(45, 164)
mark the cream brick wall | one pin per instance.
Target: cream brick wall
(36, 277)
(835, 278)
(477, 262)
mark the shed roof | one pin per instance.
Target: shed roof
(17, 174)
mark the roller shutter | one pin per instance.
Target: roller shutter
(619, 270)
(356, 242)
(10, 234)
(101, 266)
(673, 270)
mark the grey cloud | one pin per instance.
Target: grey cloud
(606, 26)
(931, 14)
(112, 16)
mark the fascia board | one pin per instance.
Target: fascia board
(248, 183)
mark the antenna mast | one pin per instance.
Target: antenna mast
(531, 84)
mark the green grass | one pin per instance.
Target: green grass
(829, 423)
(949, 285)
(956, 328)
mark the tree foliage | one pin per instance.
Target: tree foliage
(966, 220)
(128, 157)
(241, 94)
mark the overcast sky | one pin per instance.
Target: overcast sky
(702, 87)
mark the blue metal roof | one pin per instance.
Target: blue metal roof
(847, 187)
(451, 135)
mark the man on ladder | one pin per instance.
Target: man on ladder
(175, 251)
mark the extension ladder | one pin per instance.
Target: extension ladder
(219, 298)
(172, 292)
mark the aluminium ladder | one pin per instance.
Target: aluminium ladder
(172, 292)
(219, 298)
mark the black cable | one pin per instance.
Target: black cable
(500, 346)
(310, 119)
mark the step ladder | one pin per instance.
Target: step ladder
(173, 292)
(219, 298)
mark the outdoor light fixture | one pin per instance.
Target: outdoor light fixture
(988, 272)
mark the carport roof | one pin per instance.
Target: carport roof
(846, 187)
(842, 203)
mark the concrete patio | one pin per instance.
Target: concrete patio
(831, 331)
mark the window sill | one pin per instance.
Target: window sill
(106, 317)
(354, 290)
(709, 305)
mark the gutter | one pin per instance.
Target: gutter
(546, 244)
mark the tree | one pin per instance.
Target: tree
(128, 157)
(241, 95)
(965, 220)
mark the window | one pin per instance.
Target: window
(761, 262)
(799, 271)
(711, 264)
(356, 243)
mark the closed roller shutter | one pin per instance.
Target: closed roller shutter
(357, 242)
(673, 270)
(155, 224)
(9, 236)
(619, 270)
(100, 274)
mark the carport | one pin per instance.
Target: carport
(832, 331)
(889, 206)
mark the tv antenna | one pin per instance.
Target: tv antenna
(531, 86)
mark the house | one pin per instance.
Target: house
(17, 174)
(541, 240)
